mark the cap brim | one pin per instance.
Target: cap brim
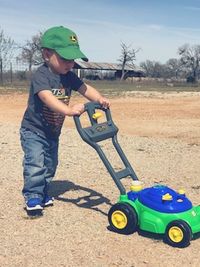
(71, 53)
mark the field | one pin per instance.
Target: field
(160, 134)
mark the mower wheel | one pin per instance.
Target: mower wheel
(123, 218)
(178, 234)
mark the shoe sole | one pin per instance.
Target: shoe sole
(37, 207)
(48, 204)
(34, 213)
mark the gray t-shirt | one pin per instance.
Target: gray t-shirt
(38, 117)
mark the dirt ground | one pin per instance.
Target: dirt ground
(159, 133)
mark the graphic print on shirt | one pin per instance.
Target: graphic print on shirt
(52, 119)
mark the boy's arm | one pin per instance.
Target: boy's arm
(92, 94)
(54, 104)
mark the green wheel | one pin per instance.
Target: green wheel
(123, 218)
(178, 234)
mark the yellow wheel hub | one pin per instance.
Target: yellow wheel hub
(176, 234)
(119, 219)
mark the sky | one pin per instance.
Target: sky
(154, 27)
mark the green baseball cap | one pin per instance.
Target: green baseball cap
(64, 42)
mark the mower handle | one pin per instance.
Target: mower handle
(93, 104)
(99, 132)
(90, 109)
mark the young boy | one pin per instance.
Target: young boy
(49, 97)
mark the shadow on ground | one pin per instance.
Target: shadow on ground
(91, 199)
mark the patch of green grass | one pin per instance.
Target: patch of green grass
(18, 87)
(118, 87)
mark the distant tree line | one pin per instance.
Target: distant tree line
(186, 66)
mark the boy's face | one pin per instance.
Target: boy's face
(56, 63)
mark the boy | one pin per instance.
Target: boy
(41, 125)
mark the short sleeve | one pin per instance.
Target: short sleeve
(40, 81)
(72, 80)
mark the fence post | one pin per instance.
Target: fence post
(11, 73)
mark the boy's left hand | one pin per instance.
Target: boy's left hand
(104, 102)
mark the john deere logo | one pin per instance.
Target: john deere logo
(101, 128)
(74, 38)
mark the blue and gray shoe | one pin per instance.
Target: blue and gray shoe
(47, 201)
(34, 207)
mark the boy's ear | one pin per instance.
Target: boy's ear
(46, 53)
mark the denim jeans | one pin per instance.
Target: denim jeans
(39, 163)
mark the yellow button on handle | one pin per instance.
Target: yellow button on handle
(97, 115)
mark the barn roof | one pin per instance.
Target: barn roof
(103, 66)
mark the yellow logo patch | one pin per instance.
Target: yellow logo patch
(74, 38)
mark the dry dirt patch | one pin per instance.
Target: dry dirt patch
(160, 134)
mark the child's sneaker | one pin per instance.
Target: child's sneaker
(34, 207)
(47, 201)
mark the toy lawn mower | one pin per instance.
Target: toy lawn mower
(157, 209)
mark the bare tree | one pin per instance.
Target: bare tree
(128, 56)
(190, 57)
(153, 69)
(174, 67)
(7, 47)
(31, 52)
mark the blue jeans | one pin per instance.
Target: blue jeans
(39, 163)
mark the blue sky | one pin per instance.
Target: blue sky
(157, 27)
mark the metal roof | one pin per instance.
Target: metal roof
(103, 66)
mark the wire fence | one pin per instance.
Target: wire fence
(13, 72)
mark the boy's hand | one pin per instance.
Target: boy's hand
(92, 94)
(76, 109)
(104, 102)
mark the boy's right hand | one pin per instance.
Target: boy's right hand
(76, 109)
